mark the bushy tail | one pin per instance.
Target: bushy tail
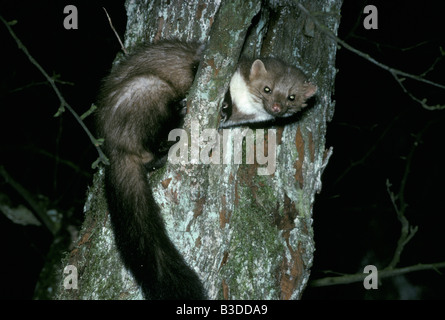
(141, 236)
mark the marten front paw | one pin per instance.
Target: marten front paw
(156, 163)
(225, 111)
(182, 107)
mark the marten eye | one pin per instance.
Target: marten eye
(291, 97)
(267, 89)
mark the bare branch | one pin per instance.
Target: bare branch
(385, 273)
(395, 72)
(63, 103)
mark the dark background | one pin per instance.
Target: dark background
(375, 124)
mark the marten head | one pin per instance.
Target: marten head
(283, 90)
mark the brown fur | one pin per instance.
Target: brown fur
(137, 108)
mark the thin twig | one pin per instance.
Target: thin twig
(35, 84)
(115, 32)
(407, 232)
(63, 103)
(421, 102)
(400, 205)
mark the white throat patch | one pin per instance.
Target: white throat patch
(244, 101)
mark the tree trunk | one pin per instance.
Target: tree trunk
(248, 233)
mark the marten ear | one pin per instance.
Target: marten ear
(257, 70)
(309, 90)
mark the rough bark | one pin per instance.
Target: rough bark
(248, 236)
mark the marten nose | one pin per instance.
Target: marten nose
(276, 107)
